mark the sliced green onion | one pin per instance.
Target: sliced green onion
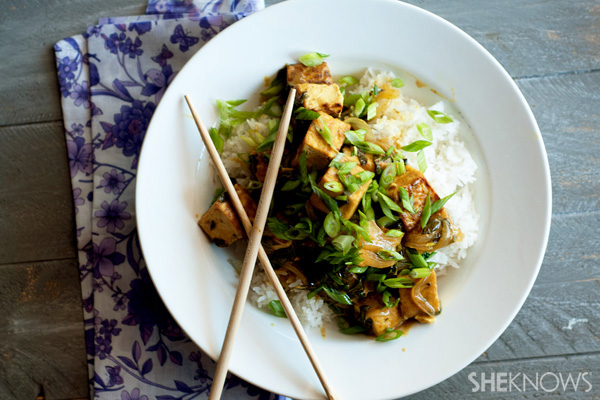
(346, 168)
(371, 111)
(314, 292)
(253, 185)
(331, 225)
(351, 99)
(370, 214)
(420, 273)
(277, 308)
(338, 296)
(358, 270)
(343, 243)
(368, 147)
(305, 114)
(404, 272)
(390, 255)
(400, 169)
(387, 297)
(313, 59)
(348, 80)
(435, 207)
(397, 83)
(235, 103)
(395, 233)
(272, 91)
(417, 260)
(303, 168)
(218, 193)
(426, 213)
(385, 221)
(290, 185)
(416, 146)
(359, 107)
(439, 117)
(421, 161)
(352, 330)
(216, 139)
(398, 283)
(325, 132)
(341, 198)
(390, 334)
(336, 160)
(333, 186)
(425, 131)
(406, 203)
(390, 203)
(387, 176)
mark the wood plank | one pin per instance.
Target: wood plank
(461, 387)
(566, 108)
(564, 37)
(558, 318)
(36, 201)
(529, 38)
(41, 331)
(28, 31)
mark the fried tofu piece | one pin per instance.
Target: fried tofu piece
(247, 201)
(374, 315)
(418, 187)
(320, 97)
(331, 175)
(221, 224)
(299, 73)
(318, 152)
(421, 302)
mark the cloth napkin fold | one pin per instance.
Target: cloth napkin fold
(111, 80)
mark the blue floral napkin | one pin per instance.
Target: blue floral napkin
(111, 79)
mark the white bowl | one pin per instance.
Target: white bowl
(512, 193)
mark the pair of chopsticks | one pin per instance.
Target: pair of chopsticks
(255, 249)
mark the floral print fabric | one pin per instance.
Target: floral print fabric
(111, 80)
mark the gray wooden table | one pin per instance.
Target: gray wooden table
(552, 50)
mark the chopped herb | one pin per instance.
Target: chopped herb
(333, 186)
(416, 146)
(387, 176)
(371, 111)
(277, 309)
(389, 255)
(313, 59)
(325, 132)
(439, 117)
(421, 161)
(395, 233)
(332, 225)
(216, 139)
(343, 243)
(359, 107)
(302, 113)
(406, 203)
(435, 207)
(426, 213)
(348, 80)
(338, 296)
(290, 185)
(417, 260)
(397, 83)
(218, 195)
(390, 334)
(420, 273)
(425, 131)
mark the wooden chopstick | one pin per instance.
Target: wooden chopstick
(217, 385)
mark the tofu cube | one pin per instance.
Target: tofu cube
(299, 73)
(428, 302)
(376, 316)
(418, 187)
(318, 152)
(331, 175)
(320, 97)
(221, 224)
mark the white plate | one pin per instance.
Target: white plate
(513, 195)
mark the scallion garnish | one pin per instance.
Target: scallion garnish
(277, 308)
(359, 107)
(387, 176)
(395, 233)
(338, 296)
(390, 334)
(390, 255)
(305, 114)
(398, 283)
(439, 117)
(348, 80)
(397, 83)
(390, 203)
(333, 186)
(416, 145)
(425, 131)
(216, 139)
(313, 59)
(290, 185)
(371, 111)
(421, 161)
(406, 203)
(343, 243)
(325, 132)
(418, 273)
(385, 221)
(426, 213)
(346, 168)
(417, 260)
(331, 225)
(368, 147)
(435, 207)
(358, 270)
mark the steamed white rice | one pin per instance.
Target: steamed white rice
(450, 167)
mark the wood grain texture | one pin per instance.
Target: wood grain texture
(41, 331)
(460, 387)
(36, 202)
(28, 31)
